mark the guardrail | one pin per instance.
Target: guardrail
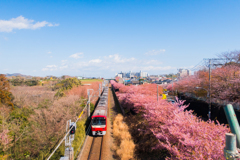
(232, 139)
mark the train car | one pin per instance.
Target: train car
(99, 117)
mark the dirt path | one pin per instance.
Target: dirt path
(107, 142)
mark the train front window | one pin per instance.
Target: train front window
(99, 121)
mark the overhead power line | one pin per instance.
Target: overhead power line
(210, 63)
(215, 62)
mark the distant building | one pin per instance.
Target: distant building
(154, 76)
(134, 82)
(132, 75)
(119, 75)
(184, 72)
(143, 74)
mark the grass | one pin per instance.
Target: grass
(79, 135)
(124, 144)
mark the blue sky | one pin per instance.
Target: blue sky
(101, 38)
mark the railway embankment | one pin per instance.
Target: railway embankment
(123, 146)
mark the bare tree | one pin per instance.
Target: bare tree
(232, 57)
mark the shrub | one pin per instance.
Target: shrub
(66, 84)
(6, 96)
(26, 96)
(34, 128)
(125, 145)
(79, 135)
(81, 91)
(22, 82)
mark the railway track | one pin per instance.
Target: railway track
(96, 148)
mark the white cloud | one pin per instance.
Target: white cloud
(95, 61)
(64, 62)
(77, 55)
(155, 52)
(22, 23)
(117, 59)
(111, 61)
(119, 63)
(50, 68)
(49, 52)
(188, 67)
(151, 62)
(64, 67)
(151, 68)
(111, 64)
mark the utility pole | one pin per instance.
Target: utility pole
(209, 112)
(89, 100)
(69, 150)
(157, 92)
(99, 90)
(88, 107)
(172, 83)
(210, 63)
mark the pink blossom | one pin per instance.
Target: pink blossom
(183, 134)
(5, 138)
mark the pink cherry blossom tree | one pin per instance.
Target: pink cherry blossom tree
(184, 135)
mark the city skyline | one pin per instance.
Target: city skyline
(94, 39)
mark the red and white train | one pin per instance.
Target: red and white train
(99, 117)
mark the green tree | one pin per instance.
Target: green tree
(32, 82)
(17, 81)
(66, 84)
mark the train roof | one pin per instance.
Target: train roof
(101, 111)
(102, 98)
(102, 105)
